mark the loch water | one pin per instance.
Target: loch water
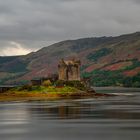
(107, 118)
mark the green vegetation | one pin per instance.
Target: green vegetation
(112, 78)
(40, 93)
(104, 78)
(6, 59)
(76, 84)
(47, 83)
(132, 81)
(44, 90)
(13, 64)
(13, 76)
(83, 67)
(98, 54)
(19, 67)
(135, 64)
(56, 87)
(30, 93)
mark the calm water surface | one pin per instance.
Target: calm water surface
(111, 118)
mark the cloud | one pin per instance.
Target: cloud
(38, 23)
(14, 48)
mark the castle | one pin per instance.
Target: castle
(69, 70)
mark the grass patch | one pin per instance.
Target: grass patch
(43, 89)
(42, 93)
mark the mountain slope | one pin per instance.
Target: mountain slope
(103, 57)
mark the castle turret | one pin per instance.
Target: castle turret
(62, 70)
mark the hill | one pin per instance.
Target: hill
(108, 61)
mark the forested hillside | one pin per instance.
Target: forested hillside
(108, 61)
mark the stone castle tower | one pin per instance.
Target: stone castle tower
(69, 70)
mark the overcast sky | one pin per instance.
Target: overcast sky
(28, 25)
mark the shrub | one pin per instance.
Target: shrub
(47, 83)
(60, 83)
(76, 84)
(136, 84)
(25, 87)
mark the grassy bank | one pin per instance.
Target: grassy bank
(42, 93)
(33, 93)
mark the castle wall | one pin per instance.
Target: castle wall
(62, 70)
(69, 71)
(74, 73)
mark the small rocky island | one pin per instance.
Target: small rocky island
(66, 84)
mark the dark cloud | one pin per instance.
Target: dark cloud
(37, 23)
(137, 1)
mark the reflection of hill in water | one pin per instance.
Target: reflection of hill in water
(60, 111)
(105, 108)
